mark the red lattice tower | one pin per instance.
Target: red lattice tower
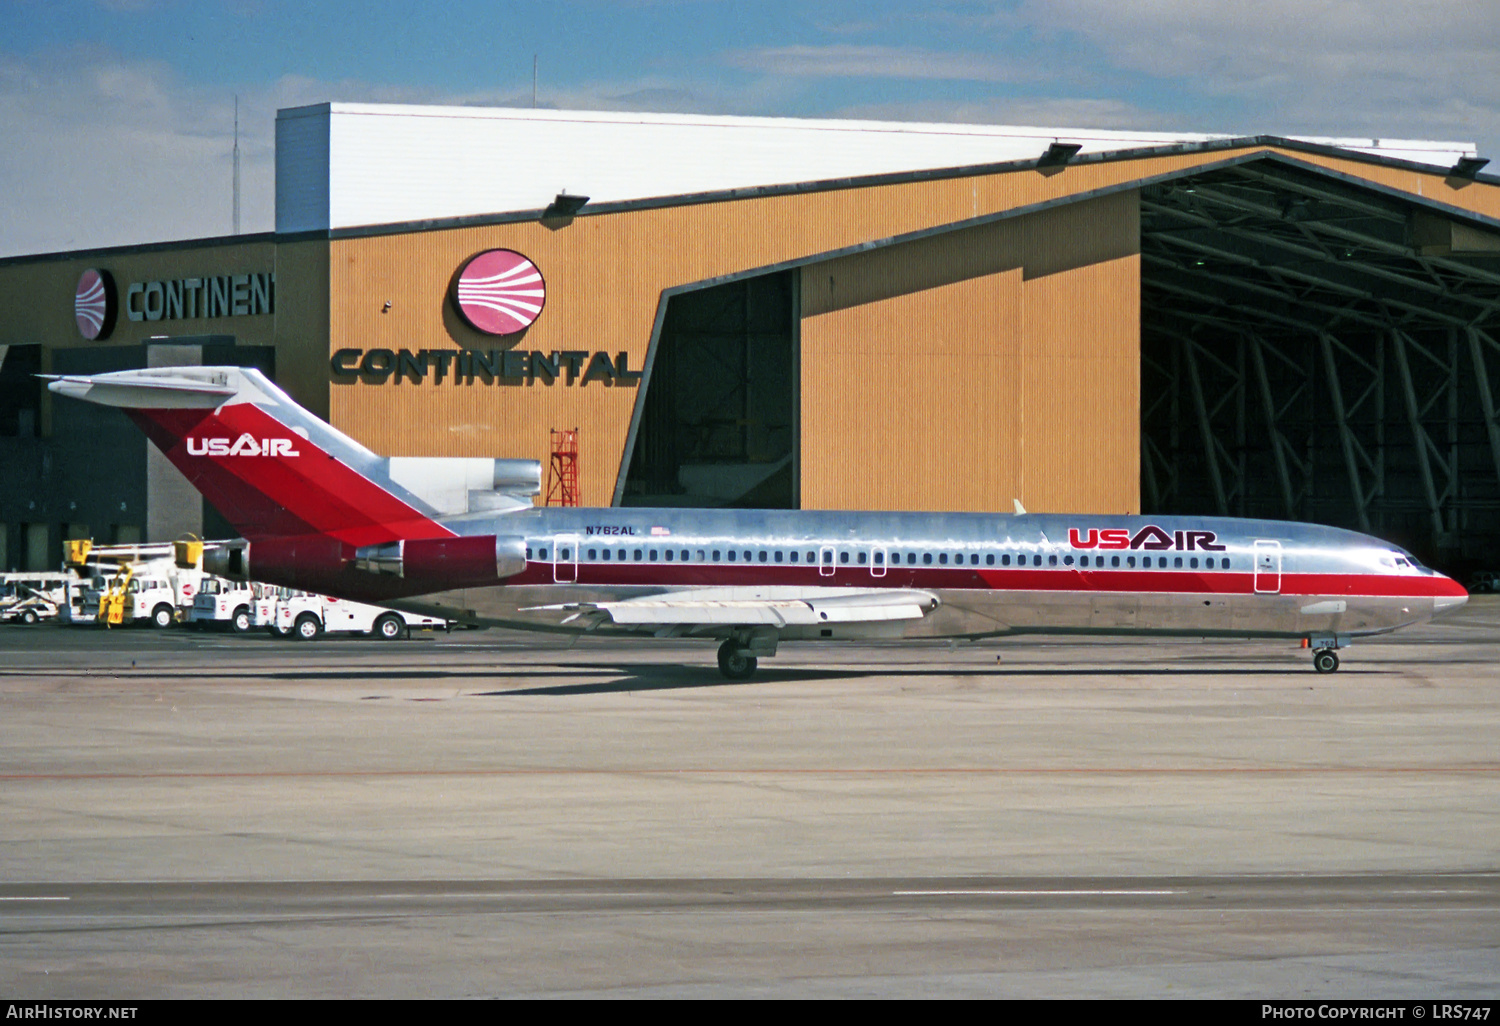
(562, 475)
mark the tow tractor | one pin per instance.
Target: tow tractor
(306, 617)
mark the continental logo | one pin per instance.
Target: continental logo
(245, 445)
(1149, 538)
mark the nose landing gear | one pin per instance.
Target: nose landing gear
(1325, 660)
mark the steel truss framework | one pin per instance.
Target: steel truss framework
(1315, 349)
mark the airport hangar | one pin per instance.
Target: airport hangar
(814, 314)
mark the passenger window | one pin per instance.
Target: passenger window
(731, 555)
(763, 556)
(1114, 561)
(747, 555)
(621, 554)
(566, 554)
(1005, 559)
(989, 559)
(879, 558)
(943, 558)
(1208, 563)
(716, 555)
(973, 559)
(1129, 560)
(843, 557)
(778, 555)
(1193, 563)
(528, 552)
(1083, 561)
(593, 554)
(685, 555)
(927, 558)
(1051, 560)
(1177, 563)
(667, 553)
(861, 558)
(794, 555)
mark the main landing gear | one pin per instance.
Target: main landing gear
(735, 662)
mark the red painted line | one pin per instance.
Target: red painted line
(1057, 580)
(1141, 771)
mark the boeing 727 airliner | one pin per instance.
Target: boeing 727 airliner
(460, 538)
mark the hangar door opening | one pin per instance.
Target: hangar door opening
(1315, 347)
(718, 422)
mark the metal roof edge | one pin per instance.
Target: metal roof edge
(145, 247)
(1390, 191)
(886, 178)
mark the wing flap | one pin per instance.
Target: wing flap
(829, 606)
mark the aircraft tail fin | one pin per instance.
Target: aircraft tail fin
(275, 470)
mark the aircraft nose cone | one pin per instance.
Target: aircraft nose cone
(1451, 601)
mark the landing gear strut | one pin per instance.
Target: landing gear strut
(734, 662)
(1325, 660)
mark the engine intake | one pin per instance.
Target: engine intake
(480, 559)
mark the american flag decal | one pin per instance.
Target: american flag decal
(499, 292)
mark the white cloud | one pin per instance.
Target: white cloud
(847, 61)
(110, 151)
(1422, 68)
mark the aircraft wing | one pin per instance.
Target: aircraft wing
(757, 607)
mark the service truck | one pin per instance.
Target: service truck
(133, 583)
(307, 617)
(224, 603)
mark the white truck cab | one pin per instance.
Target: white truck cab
(225, 603)
(150, 599)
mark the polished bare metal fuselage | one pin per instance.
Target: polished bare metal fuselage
(1324, 581)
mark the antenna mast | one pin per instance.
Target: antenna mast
(236, 165)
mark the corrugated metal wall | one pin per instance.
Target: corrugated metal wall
(1023, 335)
(968, 370)
(1059, 426)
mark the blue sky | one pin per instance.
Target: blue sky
(118, 112)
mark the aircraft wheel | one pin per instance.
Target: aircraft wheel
(734, 663)
(241, 622)
(161, 616)
(1325, 660)
(389, 627)
(307, 628)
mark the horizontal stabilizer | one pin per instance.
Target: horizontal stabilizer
(137, 390)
